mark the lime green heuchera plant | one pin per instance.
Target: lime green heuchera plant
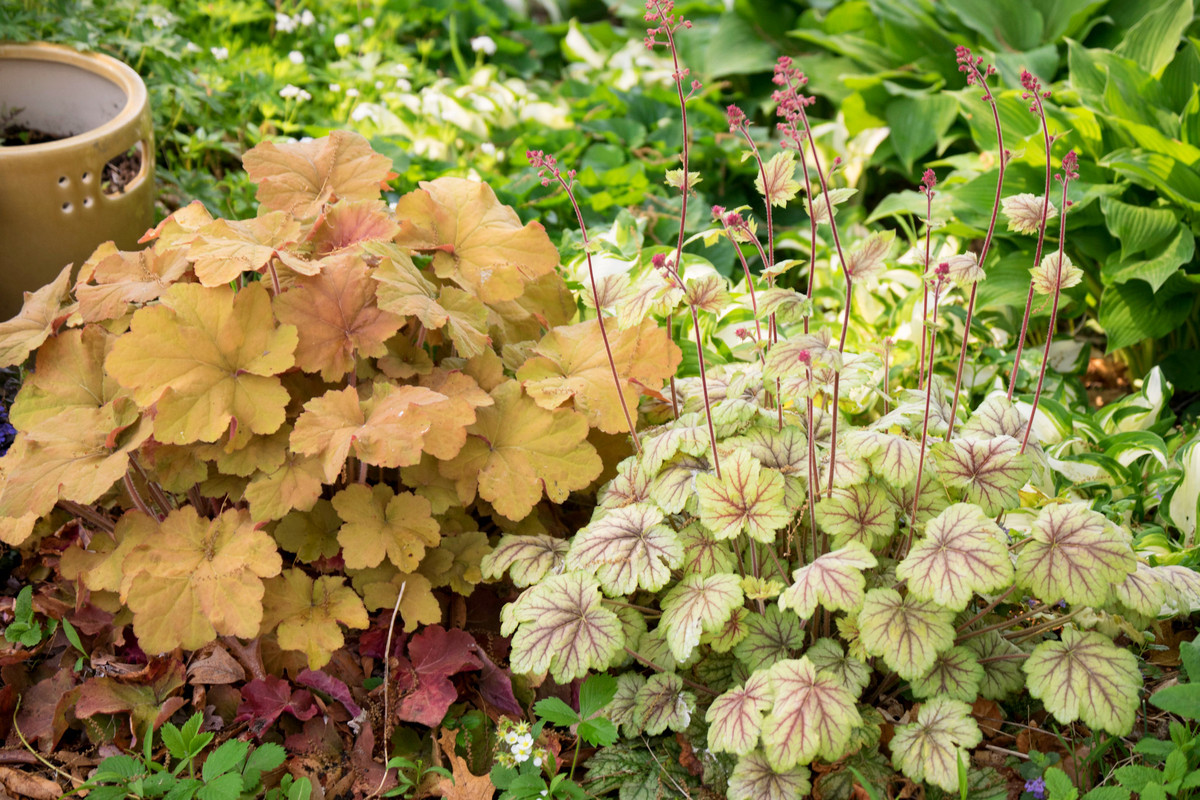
(760, 572)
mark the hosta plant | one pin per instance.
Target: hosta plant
(796, 538)
(270, 427)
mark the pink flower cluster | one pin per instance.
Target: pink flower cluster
(970, 65)
(546, 164)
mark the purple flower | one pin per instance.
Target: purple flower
(1037, 788)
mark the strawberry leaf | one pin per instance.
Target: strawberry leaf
(745, 497)
(907, 632)
(930, 748)
(563, 628)
(1087, 677)
(987, 472)
(962, 552)
(697, 604)
(833, 580)
(1074, 554)
(813, 716)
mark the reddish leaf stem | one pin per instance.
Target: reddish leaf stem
(930, 331)
(699, 687)
(928, 181)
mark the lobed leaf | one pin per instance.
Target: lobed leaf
(307, 613)
(860, 514)
(930, 748)
(662, 703)
(834, 580)
(528, 559)
(1087, 677)
(563, 628)
(753, 778)
(745, 497)
(1074, 554)
(961, 553)
(956, 674)
(379, 524)
(780, 186)
(813, 716)
(987, 472)
(697, 604)
(626, 548)
(907, 632)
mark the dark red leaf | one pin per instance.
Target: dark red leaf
(495, 686)
(264, 701)
(331, 686)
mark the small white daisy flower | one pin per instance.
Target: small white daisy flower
(289, 91)
(219, 53)
(306, 18)
(284, 23)
(341, 41)
(484, 44)
(296, 57)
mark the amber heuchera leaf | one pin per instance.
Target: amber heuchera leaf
(349, 224)
(224, 249)
(1085, 676)
(69, 374)
(336, 317)
(930, 748)
(198, 578)
(307, 613)
(746, 497)
(962, 552)
(571, 364)
(120, 278)
(562, 627)
(813, 716)
(1074, 554)
(516, 450)
(476, 241)
(38, 318)
(380, 523)
(206, 359)
(301, 177)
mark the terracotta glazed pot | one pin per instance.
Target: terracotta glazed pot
(60, 199)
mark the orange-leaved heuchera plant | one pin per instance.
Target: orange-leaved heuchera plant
(269, 427)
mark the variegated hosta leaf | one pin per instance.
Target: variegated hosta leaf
(735, 718)
(787, 305)
(987, 472)
(860, 514)
(563, 628)
(956, 674)
(961, 553)
(772, 637)
(1003, 677)
(834, 581)
(908, 633)
(528, 559)
(813, 716)
(1142, 591)
(1075, 554)
(626, 548)
(1085, 676)
(827, 656)
(754, 779)
(662, 703)
(703, 554)
(893, 458)
(996, 416)
(929, 749)
(745, 497)
(621, 709)
(697, 604)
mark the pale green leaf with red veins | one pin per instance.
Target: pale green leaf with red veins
(866, 262)
(305, 613)
(386, 430)
(336, 317)
(224, 249)
(697, 604)
(908, 633)
(827, 655)
(40, 316)
(996, 416)
(893, 458)
(301, 177)
(771, 637)
(735, 629)
(781, 185)
(706, 294)
(563, 629)
(703, 553)
(476, 241)
(929, 749)
(466, 321)
(860, 514)
(785, 451)
(630, 485)
(745, 498)
(933, 500)
(1074, 554)
(206, 359)
(99, 566)
(621, 709)
(380, 523)
(735, 718)
(754, 779)
(787, 305)
(571, 364)
(961, 553)
(1049, 277)
(1002, 677)
(956, 674)
(626, 548)
(662, 703)
(1183, 587)
(310, 534)
(818, 206)
(352, 224)
(987, 472)
(120, 278)
(1142, 591)
(785, 358)
(69, 374)
(834, 581)
(516, 450)
(527, 559)
(198, 579)
(1086, 677)
(674, 488)
(688, 434)
(813, 716)
(649, 294)
(295, 485)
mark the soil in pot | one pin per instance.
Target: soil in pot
(118, 173)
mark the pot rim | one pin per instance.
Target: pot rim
(98, 64)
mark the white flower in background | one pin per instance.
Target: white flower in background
(306, 18)
(191, 47)
(369, 22)
(352, 92)
(304, 139)
(484, 44)
(160, 20)
(401, 70)
(362, 112)
(289, 91)
(305, 96)
(284, 23)
(296, 57)
(220, 53)
(488, 148)
(403, 85)
(335, 87)
(378, 84)
(341, 41)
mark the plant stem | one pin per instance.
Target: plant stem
(88, 513)
(930, 333)
(699, 687)
(988, 608)
(137, 498)
(924, 282)
(1009, 621)
(1045, 626)
(837, 381)
(1004, 657)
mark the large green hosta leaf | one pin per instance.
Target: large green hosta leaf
(754, 779)
(961, 553)
(1075, 554)
(987, 472)
(907, 632)
(929, 749)
(746, 497)
(834, 580)
(860, 514)
(562, 627)
(626, 548)
(1085, 676)
(698, 604)
(813, 717)
(735, 718)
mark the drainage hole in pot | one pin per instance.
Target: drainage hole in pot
(121, 170)
(87, 176)
(66, 207)
(62, 181)
(87, 202)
